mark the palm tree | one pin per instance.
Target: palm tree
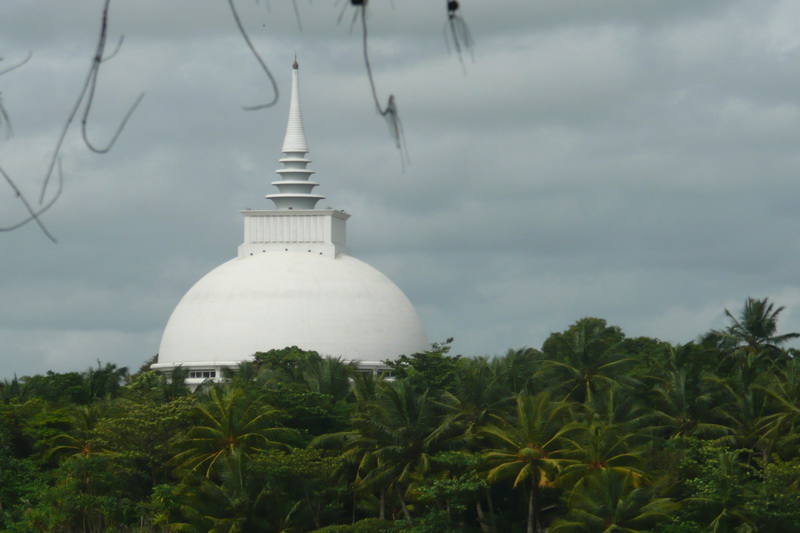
(600, 442)
(477, 392)
(584, 359)
(780, 427)
(611, 500)
(756, 326)
(331, 376)
(15, 391)
(409, 428)
(516, 370)
(754, 333)
(81, 441)
(104, 381)
(717, 497)
(742, 409)
(232, 422)
(528, 448)
(682, 403)
(393, 440)
(240, 502)
(174, 386)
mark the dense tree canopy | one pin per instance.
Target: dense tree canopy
(594, 432)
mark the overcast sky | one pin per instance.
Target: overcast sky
(633, 160)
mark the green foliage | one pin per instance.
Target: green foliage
(611, 500)
(286, 365)
(595, 432)
(90, 493)
(585, 359)
(435, 521)
(724, 491)
(298, 463)
(433, 369)
(152, 386)
(42, 424)
(143, 432)
(68, 387)
(773, 496)
(516, 371)
(528, 449)
(311, 413)
(161, 509)
(19, 483)
(755, 329)
(309, 477)
(367, 525)
(331, 377)
(231, 422)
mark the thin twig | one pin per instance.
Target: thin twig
(459, 31)
(390, 111)
(89, 86)
(258, 58)
(116, 50)
(297, 16)
(34, 214)
(60, 141)
(92, 84)
(13, 67)
(4, 118)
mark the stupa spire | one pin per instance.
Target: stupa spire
(294, 186)
(295, 140)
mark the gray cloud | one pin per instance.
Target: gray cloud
(629, 160)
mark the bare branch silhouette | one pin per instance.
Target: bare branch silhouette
(14, 67)
(297, 15)
(4, 118)
(258, 58)
(390, 111)
(92, 84)
(455, 25)
(89, 86)
(86, 96)
(458, 30)
(34, 214)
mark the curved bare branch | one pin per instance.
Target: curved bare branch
(33, 214)
(92, 84)
(390, 111)
(258, 58)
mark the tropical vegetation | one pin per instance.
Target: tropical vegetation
(594, 432)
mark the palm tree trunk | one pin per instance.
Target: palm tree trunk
(403, 505)
(315, 510)
(531, 511)
(481, 517)
(490, 505)
(534, 525)
(382, 512)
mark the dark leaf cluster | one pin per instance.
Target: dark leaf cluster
(593, 432)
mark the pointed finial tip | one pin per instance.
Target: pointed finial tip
(295, 66)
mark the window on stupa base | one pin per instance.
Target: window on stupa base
(202, 374)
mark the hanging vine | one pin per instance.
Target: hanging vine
(389, 111)
(85, 99)
(458, 31)
(456, 26)
(261, 62)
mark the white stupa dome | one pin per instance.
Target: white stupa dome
(336, 306)
(292, 284)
